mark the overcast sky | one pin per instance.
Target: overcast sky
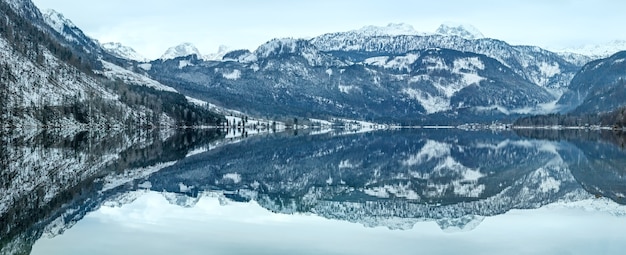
(150, 27)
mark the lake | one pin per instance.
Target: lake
(406, 191)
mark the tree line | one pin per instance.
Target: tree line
(615, 118)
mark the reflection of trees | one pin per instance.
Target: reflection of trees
(616, 137)
(42, 173)
(598, 162)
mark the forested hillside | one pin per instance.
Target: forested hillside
(43, 83)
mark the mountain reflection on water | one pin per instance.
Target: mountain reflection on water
(389, 179)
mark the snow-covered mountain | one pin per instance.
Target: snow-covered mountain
(293, 77)
(461, 30)
(188, 49)
(74, 36)
(599, 87)
(181, 50)
(598, 51)
(544, 68)
(396, 29)
(341, 74)
(123, 52)
(217, 56)
(392, 29)
(391, 73)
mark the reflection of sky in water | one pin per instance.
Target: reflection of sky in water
(151, 225)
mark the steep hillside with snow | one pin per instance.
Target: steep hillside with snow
(46, 81)
(599, 87)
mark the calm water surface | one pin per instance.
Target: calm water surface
(395, 192)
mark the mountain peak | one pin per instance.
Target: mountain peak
(221, 52)
(56, 20)
(603, 50)
(182, 50)
(392, 29)
(281, 46)
(461, 30)
(122, 51)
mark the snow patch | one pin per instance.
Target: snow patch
(184, 188)
(468, 64)
(347, 164)
(329, 72)
(376, 61)
(234, 75)
(116, 180)
(432, 149)
(184, 63)
(347, 89)
(145, 66)
(195, 101)
(548, 70)
(550, 184)
(400, 62)
(196, 152)
(113, 72)
(432, 104)
(234, 177)
(433, 63)
(398, 190)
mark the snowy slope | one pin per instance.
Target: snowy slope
(52, 88)
(115, 72)
(73, 36)
(49, 78)
(57, 21)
